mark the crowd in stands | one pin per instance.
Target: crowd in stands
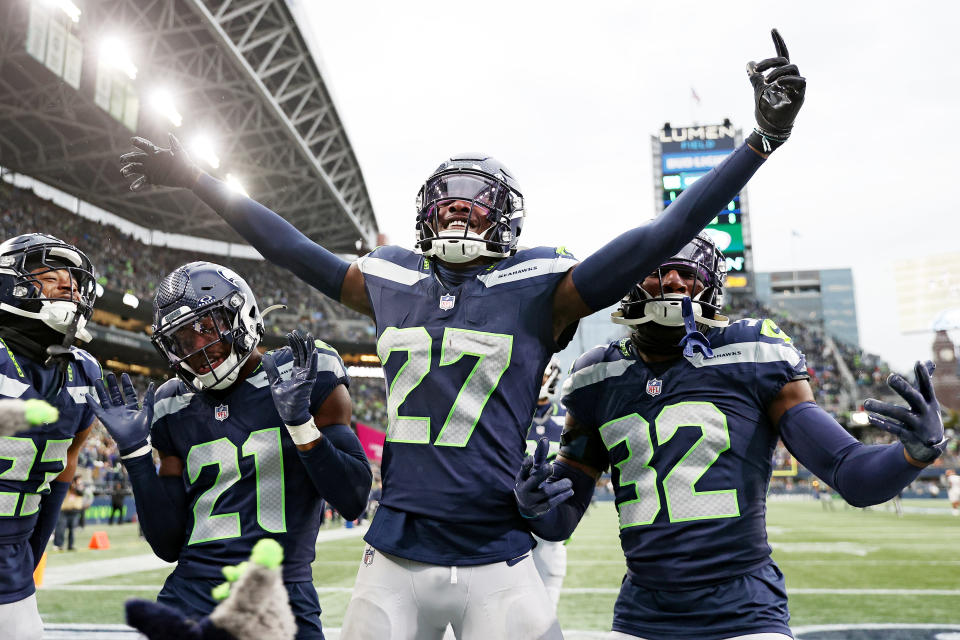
(125, 264)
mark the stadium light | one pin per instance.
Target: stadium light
(115, 53)
(72, 10)
(364, 372)
(131, 300)
(235, 184)
(163, 103)
(859, 418)
(99, 290)
(202, 148)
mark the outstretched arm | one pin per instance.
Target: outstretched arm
(606, 276)
(863, 474)
(279, 241)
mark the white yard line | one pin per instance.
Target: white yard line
(55, 577)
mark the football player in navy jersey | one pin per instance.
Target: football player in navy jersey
(246, 451)
(466, 324)
(687, 411)
(548, 419)
(47, 292)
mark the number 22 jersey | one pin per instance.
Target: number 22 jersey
(463, 366)
(691, 450)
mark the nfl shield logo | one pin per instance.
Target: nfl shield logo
(447, 301)
(221, 412)
(368, 556)
(654, 387)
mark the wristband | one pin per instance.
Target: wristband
(304, 433)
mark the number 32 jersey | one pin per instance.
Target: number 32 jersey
(243, 475)
(691, 450)
(463, 367)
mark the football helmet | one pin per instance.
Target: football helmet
(551, 376)
(206, 323)
(705, 262)
(23, 259)
(494, 197)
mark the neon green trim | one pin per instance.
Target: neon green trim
(13, 358)
(770, 329)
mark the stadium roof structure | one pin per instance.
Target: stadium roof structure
(239, 68)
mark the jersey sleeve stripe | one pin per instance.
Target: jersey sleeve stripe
(327, 362)
(527, 269)
(389, 271)
(169, 406)
(77, 393)
(741, 352)
(260, 380)
(595, 373)
(10, 388)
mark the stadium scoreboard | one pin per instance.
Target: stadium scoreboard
(683, 155)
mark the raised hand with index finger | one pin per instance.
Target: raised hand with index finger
(778, 96)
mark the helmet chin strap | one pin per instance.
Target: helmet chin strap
(458, 248)
(211, 380)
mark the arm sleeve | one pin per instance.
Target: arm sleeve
(607, 275)
(339, 470)
(558, 523)
(275, 238)
(47, 519)
(863, 475)
(161, 506)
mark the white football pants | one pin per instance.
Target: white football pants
(551, 561)
(399, 599)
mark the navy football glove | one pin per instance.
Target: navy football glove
(920, 427)
(121, 414)
(292, 397)
(535, 494)
(778, 97)
(151, 164)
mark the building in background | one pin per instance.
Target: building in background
(946, 381)
(822, 297)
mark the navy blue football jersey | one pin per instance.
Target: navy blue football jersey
(691, 449)
(31, 459)
(243, 476)
(464, 367)
(547, 422)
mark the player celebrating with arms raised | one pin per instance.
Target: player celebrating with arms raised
(244, 453)
(687, 411)
(466, 325)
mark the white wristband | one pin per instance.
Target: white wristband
(136, 454)
(304, 433)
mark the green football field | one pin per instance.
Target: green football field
(842, 566)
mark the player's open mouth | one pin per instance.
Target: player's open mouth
(458, 224)
(207, 368)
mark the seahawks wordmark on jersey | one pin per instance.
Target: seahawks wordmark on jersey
(463, 367)
(243, 476)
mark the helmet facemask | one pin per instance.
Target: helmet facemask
(65, 312)
(488, 225)
(207, 346)
(658, 319)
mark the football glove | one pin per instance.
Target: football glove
(534, 492)
(151, 164)
(920, 427)
(778, 97)
(127, 422)
(292, 396)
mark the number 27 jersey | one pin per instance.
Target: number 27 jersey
(691, 450)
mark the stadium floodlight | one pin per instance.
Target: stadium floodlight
(115, 53)
(131, 300)
(859, 418)
(72, 10)
(235, 184)
(202, 148)
(162, 101)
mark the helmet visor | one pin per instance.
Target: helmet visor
(480, 190)
(60, 273)
(192, 337)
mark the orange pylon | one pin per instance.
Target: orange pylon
(99, 540)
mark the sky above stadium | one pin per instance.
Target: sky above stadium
(567, 94)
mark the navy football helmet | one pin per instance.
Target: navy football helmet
(701, 259)
(206, 323)
(493, 195)
(551, 376)
(24, 259)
